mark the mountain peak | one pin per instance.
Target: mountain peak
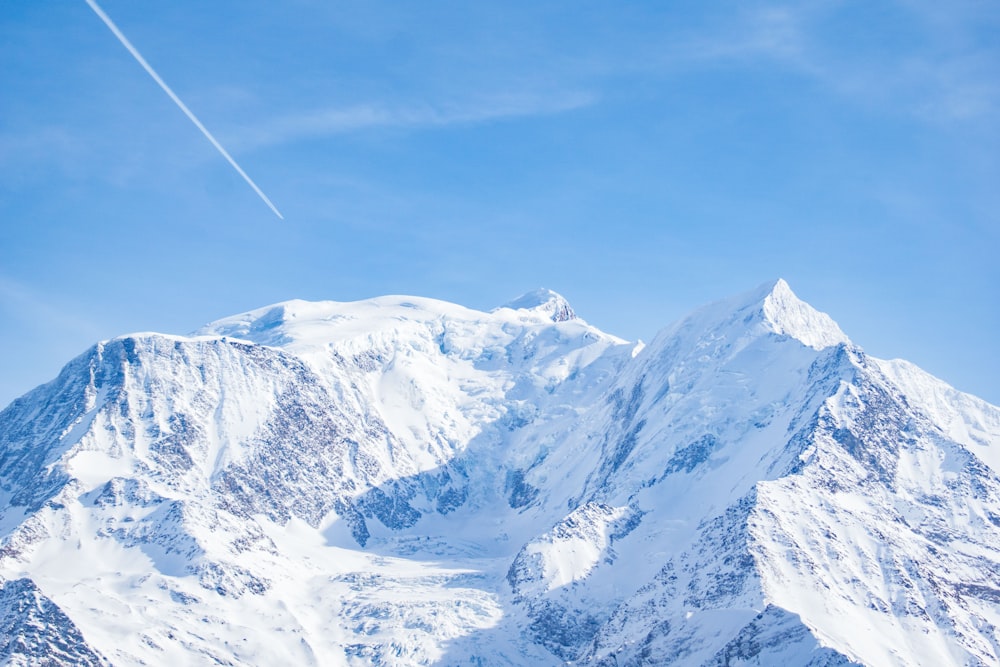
(771, 308)
(544, 301)
(789, 315)
(441, 485)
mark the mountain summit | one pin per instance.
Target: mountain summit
(402, 481)
(544, 301)
(788, 315)
(771, 308)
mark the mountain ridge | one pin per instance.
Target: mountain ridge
(406, 481)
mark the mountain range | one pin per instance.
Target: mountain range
(403, 481)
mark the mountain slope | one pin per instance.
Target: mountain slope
(34, 631)
(406, 481)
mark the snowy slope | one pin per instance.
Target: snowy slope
(405, 481)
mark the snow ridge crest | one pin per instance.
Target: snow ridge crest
(786, 314)
(546, 302)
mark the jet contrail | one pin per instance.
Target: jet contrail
(187, 112)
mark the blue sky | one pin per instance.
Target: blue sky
(639, 158)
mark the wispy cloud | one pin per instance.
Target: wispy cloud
(23, 149)
(927, 78)
(777, 33)
(25, 304)
(960, 88)
(338, 120)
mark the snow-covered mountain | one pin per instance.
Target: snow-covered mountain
(405, 481)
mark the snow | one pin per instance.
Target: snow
(962, 417)
(795, 318)
(406, 481)
(544, 302)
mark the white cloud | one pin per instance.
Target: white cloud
(773, 32)
(338, 120)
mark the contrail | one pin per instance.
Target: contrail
(183, 107)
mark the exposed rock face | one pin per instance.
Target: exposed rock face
(404, 481)
(34, 631)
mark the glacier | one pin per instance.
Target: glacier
(405, 481)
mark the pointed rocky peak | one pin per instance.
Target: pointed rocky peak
(544, 301)
(771, 308)
(789, 315)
